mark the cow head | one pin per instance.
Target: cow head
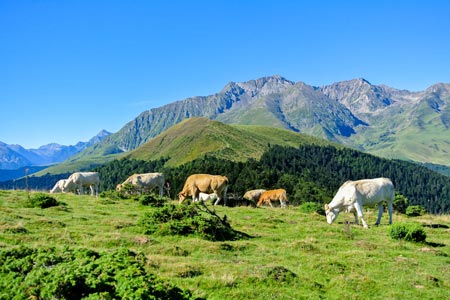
(181, 197)
(331, 213)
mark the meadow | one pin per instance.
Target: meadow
(290, 254)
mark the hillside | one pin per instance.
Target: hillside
(373, 118)
(195, 137)
(291, 254)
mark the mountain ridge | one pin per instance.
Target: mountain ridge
(14, 158)
(376, 119)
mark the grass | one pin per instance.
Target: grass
(291, 255)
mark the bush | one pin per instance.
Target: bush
(27, 273)
(312, 207)
(407, 232)
(280, 274)
(415, 211)
(190, 219)
(152, 200)
(113, 195)
(400, 203)
(42, 200)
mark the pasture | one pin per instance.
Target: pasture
(290, 255)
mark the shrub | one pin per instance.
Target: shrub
(27, 273)
(280, 274)
(42, 200)
(415, 211)
(407, 232)
(400, 203)
(151, 200)
(113, 195)
(190, 219)
(312, 207)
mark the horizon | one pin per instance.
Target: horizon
(62, 61)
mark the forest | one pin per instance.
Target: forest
(309, 173)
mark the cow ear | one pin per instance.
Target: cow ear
(327, 207)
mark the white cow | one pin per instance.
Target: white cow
(206, 197)
(253, 195)
(145, 182)
(352, 195)
(80, 180)
(59, 186)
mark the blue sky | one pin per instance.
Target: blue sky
(69, 69)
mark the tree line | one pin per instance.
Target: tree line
(309, 173)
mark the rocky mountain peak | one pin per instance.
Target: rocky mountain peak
(439, 88)
(266, 85)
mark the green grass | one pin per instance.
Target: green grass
(195, 137)
(338, 261)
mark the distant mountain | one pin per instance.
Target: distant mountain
(14, 157)
(373, 118)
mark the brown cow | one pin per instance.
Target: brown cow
(273, 195)
(205, 183)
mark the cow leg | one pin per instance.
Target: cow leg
(224, 196)
(356, 216)
(270, 203)
(195, 195)
(161, 190)
(358, 209)
(380, 213)
(390, 209)
(81, 190)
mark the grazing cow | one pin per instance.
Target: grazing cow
(205, 183)
(273, 195)
(352, 195)
(145, 182)
(59, 186)
(253, 195)
(206, 197)
(80, 180)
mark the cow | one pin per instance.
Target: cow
(80, 180)
(145, 182)
(59, 186)
(206, 197)
(273, 195)
(253, 195)
(205, 183)
(352, 195)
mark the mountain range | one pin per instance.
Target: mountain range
(376, 119)
(15, 158)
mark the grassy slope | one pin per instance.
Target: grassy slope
(196, 137)
(330, 261)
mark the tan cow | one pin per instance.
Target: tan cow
(145, 182)
(273, 195)
(80, 180)
(205, 183)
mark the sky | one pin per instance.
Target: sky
(69, 69)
